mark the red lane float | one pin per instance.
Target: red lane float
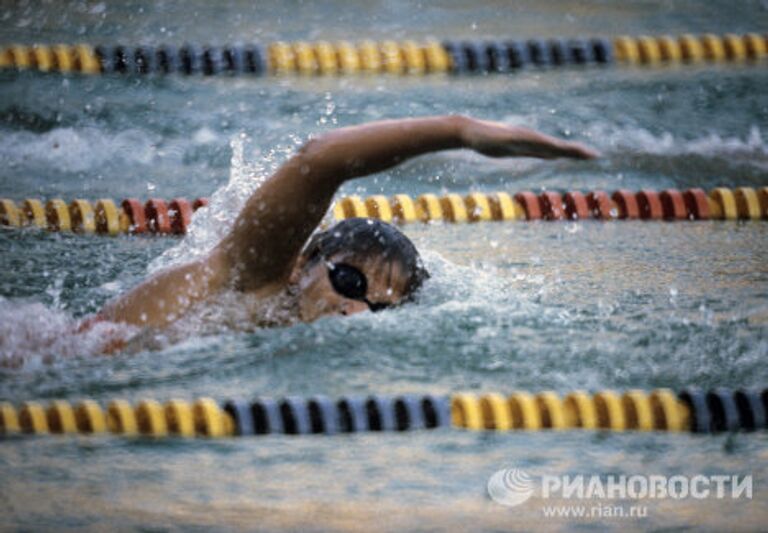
(626, 201)
(673, 205)
(649, 205)
(137, 221)
(180, 211)
(530, 204)
(158, 219)
(576, 206)
(696, 204)
(551, 205)
(601, 205)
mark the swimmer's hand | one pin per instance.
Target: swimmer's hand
(498, 140)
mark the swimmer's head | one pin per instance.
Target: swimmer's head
(357, 265)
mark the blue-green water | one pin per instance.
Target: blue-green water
(510, 306)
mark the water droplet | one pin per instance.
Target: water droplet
(572, 228)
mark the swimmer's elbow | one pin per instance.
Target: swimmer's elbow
(312, 151)
(306, 159)
(324, 159)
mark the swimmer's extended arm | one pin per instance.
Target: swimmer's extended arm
(281, 215)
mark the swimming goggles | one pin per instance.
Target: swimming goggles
(350, 283)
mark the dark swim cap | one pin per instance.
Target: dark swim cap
(370, 239)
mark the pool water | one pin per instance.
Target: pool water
(531, 306)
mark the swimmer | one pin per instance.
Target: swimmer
(357, 265)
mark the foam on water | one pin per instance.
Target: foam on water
(77, 149)
(31, 332)
(751, 147)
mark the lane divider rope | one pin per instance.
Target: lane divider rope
(156, 216)
(692, 409)
(102, 216)
(406, 57)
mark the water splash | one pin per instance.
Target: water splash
(31, 332)
(211, 223)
